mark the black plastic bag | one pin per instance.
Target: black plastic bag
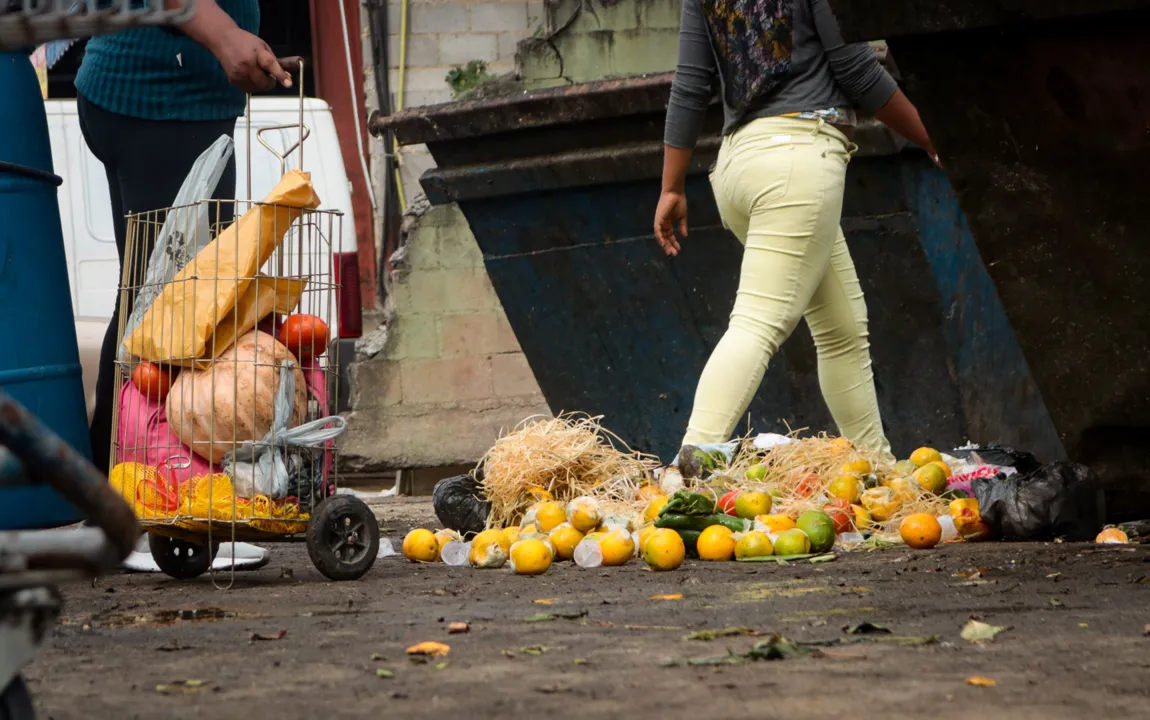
(1062, 500)
(995, 454)
(459, 504)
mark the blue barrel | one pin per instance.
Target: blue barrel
(39, 359)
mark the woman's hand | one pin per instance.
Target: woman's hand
(249, 61)
(671, 212)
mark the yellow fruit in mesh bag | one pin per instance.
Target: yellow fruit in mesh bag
(881, 503)
(651, 514)
(530, 557)
(848, 487)
(584, 514)
(716, 543)
(925, 456)
(564, 539)
(617, 548)
(664, 549)
(421, 546)
(753, 544)
(932, 478)
(549, 516)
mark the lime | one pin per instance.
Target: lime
(757, 473)
(819, 528)
(792, 542)
(753, 544)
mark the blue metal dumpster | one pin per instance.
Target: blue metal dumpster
(559, 187)
(1039, 110)
(39, 360)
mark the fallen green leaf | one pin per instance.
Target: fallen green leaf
(384, 673)
(534, 649)
(581, 661)
(708, 635)
(1055, 602)
(377, 657)
(778, 647)
(441, 666)
(979, 632)
(549, 617)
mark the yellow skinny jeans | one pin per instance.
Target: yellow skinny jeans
(779, 185)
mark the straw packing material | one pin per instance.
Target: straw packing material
(568, 456)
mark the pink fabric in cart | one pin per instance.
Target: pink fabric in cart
(146, 437)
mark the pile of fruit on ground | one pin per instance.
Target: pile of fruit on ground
(564, 489)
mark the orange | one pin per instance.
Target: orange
(530, 557)
(664, 550)
(925, 456)
(549, 516)
(1112, 536)
(539, 494)
(858, 466)
(751, 504)
(651, 514)
(512, 534)
(645, 535)
(421, 546)
(753, 544)
(932, 478)
(584, 514)
(647, 493)
(716, 543)
(847, 486)
(617, 547)
(564, 538)
(776, 523)
(920, 531)
(944, 466)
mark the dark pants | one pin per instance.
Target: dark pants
(146, 162)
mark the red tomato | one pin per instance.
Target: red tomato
(808, 485)
(152, 380)
(841, 514)
(305, 336)
(727, 503)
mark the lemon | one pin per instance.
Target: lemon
(753, 544)
(925, 456)
(751, 504)
(512, 534)
(421, 546)
(775, 523)
(757, 473)
(651, 514)
(549, 516)
(716, 543)
(564, 539)
(792, 542)
(645, 535)
(528, 528)
(932, 478)
(862, 518)
(583, 514)
(489, 555)
(530, 557)
(847, 486)
(617, 547)
(858, 466)
(664, 550)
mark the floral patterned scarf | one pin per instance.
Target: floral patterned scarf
(753, 43)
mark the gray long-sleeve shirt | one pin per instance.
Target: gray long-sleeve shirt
(825, 73)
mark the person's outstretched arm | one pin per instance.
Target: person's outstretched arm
(691, 93)
(861, 76)
(249, 61)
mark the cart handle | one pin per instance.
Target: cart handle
(49, 459)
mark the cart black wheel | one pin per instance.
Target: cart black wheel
(16, 702)
(181, 559)
(343, 538)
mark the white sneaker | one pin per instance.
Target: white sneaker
(247, 557)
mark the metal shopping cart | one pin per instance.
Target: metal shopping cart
(226, 420)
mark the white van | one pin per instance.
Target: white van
(86, 215)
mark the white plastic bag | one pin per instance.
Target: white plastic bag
(173, 248)
(265, 467)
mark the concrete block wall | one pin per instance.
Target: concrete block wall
(445, 34)
(451, 375)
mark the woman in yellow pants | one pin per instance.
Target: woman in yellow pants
(790, 89)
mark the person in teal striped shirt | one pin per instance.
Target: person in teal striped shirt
(150, 101)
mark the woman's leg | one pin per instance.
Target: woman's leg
(838, 320)
(781, 194)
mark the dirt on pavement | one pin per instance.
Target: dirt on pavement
(285, 643)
